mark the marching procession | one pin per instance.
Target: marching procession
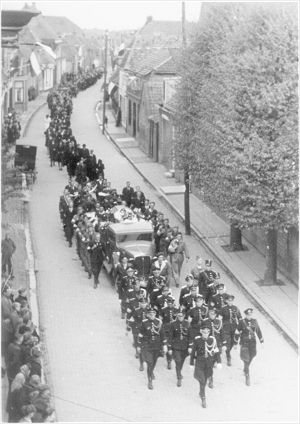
(204, 323)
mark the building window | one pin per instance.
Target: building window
(138, 119)
(19, 92)
(129, 112)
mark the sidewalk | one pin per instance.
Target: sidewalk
(15, 222)
(278, 303)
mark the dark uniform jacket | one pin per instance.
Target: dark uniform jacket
(136, 317)
(125, 284)
(188, 302)
(231, 318)
(168, 314)
(204, 351)
(198, 314)
(179, 335)
(154, 282)
(151, 335)
(247, 331)
(218, 301)
(184, 290)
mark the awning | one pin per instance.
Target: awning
(35, 64)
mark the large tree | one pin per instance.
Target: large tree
(245, 148)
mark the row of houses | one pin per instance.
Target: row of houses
(36, 51)
(142, 88)
(143, 83)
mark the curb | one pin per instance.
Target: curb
(280, 327)
(31, 270)
(30, 119)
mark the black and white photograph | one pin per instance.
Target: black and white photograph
(149, 211)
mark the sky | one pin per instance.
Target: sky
(113, 15)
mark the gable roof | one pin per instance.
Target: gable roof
(62, 26)
(41, 29)
(169, 66)
(144, 61)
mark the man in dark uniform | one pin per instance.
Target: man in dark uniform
(151, 340)
(97, 257)
(155, 281)
(189, 299)
(203, 350)
(247, 331)
(126, 282)
(231, 317)
(168, 314)
(159, 284)
(135, 318)
(120, 270)
(186, 289)
(178, 343)
(218, 301)
(197, 314)
(212, 278)
(162, 299)
(216, 330)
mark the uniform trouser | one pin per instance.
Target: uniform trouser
(69, 231)
(123, 306)
(248, 352)
(96, 271)
(229, 338)
(135, 341)
(150, 357)
(179, 358)
(167, 331)
(203, 371)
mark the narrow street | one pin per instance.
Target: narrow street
(90, 360)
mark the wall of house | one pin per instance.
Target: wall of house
(143, 135)
(123, 78)
(166, 139)
(287, 249)
(48, 77)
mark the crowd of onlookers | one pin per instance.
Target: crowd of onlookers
(11, 127)
(29, 399)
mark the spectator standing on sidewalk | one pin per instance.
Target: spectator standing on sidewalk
(177, 252)
(28, 412)
(16, 398)
(8, 248)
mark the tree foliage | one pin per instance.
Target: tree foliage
(237, 113)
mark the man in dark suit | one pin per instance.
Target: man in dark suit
(127, 193)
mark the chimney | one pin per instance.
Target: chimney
(149, 19)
